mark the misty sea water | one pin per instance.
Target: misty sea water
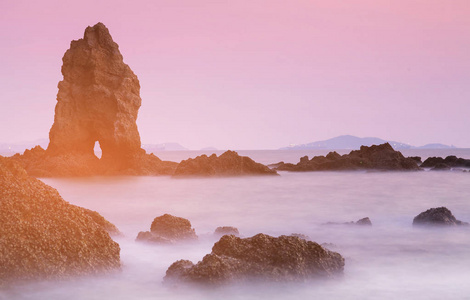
(388, 260)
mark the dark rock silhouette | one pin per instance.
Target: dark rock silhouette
(362, 222)
(220, 231)
(227, 164)
(261, 257)
(43, 236)
(440, 216)
(439, 163)
(417, 159)
(98, 101)
(168, 229)
(375, 157)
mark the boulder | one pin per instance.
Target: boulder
(440, 216)
(375, 157)
(43, 236)
(224, 230)
(168, 229)
(102, 222)
(97, 102)
(227, 164)
(261, 257)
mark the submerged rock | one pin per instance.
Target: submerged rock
(375, 157)
(168, 229)
(261, 257)
(220, 231)
(364, 221)
(43, 236)
(440, 216)
(98, 101)
(227, 164)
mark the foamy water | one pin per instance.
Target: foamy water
(389, 260)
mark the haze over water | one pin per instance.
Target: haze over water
(389, 260)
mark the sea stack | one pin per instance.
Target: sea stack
(98, 101)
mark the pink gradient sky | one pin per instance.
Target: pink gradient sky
(254, 74)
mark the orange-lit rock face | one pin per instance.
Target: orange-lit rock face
(98, 100)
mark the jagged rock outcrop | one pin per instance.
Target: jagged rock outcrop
(440, 216)
(168, 229)
(43, 236)
(98, 101)
(375, 157)
(224, 230)
(261, 257)
(439, 163)
(227, 164)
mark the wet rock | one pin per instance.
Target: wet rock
(98, 101)
(263, 258)
(375, 157)
(227, 164)
(440, 216)
(42, 236)
(220, 231)
(168, 229)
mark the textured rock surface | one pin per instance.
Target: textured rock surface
(98, 101)
(223, 230)
(102, 222)
(227, 164)
(376, 157)
(440, 216)
(43, 236)
(168, 229)
(261, 257)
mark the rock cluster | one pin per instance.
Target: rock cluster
(362, 222)
(440, 216)
(168, 229)
(227, 164)
(98, 101)
(439, 163)
(43, 236)
(375, 157)
(260, 257)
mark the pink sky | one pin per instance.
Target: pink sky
(254, 74)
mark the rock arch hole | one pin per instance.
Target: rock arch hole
(97, 150)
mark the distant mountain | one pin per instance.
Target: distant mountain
(436, 146)
(347, 142)
(354, 142)
(163, 147)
